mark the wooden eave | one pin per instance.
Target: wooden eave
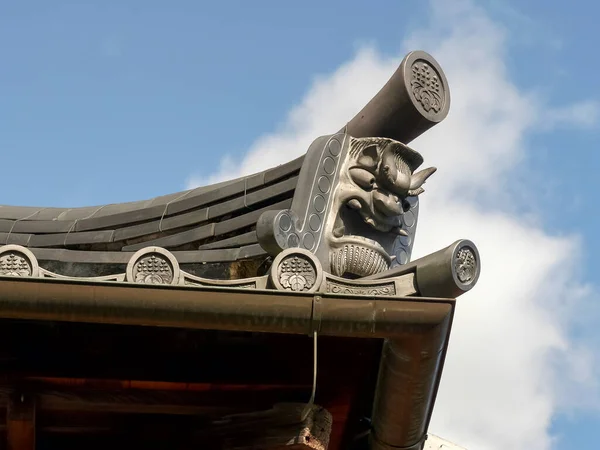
(263, 355)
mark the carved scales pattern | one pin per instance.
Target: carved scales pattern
(358, 260)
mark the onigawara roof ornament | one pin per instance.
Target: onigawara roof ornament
(320, 245)
(366, 222)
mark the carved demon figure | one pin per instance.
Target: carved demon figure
(355, 205)
(376, 186)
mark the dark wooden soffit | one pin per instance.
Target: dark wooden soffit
(416, 329)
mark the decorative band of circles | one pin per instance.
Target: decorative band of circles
(153, 265)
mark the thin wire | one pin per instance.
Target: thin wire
(311, 402)
(18, 220)
(245, 191)
(167, 207)
(71, 228)
(94, 213)
(74, 224)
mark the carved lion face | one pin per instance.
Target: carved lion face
(375, 186)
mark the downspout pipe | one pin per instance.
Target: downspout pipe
(409, 376)
(449, 272)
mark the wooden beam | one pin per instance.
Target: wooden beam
(281, 428)
(20, 422)
(210, 402)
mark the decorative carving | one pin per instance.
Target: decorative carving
(427, 87)
(358, 260)
(240, 283)
(17, 261)
(297, 274)
(336, 287)
(119, 277)
(361, 193)
(153, 269)
(376, 202)
(303, 225)
(15, 265)
(296, 270)
(153, 265)
(355, 207)
(465, 265)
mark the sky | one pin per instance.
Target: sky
(104, 102)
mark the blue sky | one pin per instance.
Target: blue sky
(107, 102)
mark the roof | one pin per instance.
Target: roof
(319, 247)
(208, 224)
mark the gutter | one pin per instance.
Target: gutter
(416, 330)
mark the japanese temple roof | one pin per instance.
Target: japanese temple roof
(319, 246)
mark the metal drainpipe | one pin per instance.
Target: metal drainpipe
(408, 378)
(449, 272)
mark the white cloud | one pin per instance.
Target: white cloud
(583, 114)
(330, 102)
(512, 363)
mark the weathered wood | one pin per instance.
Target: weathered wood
(281, 427)
(146, 397)
(257, 370)
(20, 422)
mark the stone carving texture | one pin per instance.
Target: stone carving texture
(465, 265)
(376, 207)
(296, 273)
(15, 264)
(355, 207)
(153, 269)
(18, 261)
(335, 287)
(153, 265)
(307, 232)
(427, 87)
(296, 270)
(356, 259)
